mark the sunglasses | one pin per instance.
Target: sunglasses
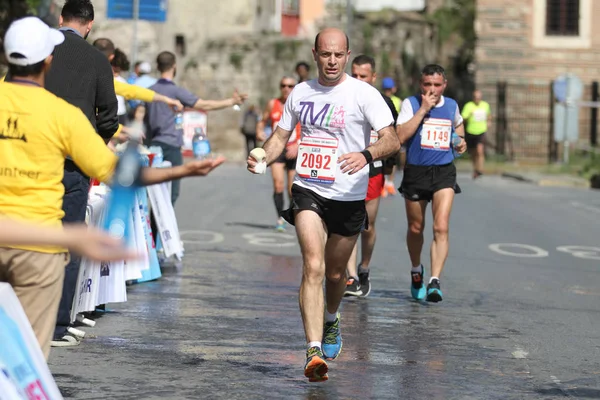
(283, 85)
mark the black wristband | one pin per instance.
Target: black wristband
(367, 155)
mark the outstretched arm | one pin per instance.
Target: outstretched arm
(211, 105)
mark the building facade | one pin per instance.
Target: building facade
(522, 46)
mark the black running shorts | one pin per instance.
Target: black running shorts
(344, 218)
(474, 140)
(290, 165)
(420, 182)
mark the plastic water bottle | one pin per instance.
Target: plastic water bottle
(158, 155)
(179, 121)
(455, 142)
(121, 197)
(200, 144)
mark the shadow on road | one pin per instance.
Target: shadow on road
(251, 225)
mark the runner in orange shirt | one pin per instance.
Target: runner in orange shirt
(287, 159)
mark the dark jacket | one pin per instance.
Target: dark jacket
(82, 75)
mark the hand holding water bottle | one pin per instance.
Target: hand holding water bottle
(201, 145)
(458, 145)
(121, 198)
(238, 99)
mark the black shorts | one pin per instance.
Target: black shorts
(344, 218)
(290, 165)
(474, 140)
(420, 182)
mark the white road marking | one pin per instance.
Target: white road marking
(214, 237)
(536, 252)
(586, 207)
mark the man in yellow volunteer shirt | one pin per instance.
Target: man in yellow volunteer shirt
(37, 131)
(477, 115)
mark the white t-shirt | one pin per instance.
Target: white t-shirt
(122, 108)
(407, 112)
(335, 120)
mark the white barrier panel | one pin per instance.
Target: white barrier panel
(137, 242)
(88, 280)
(160, 199)
(24, 373)
(153, 272)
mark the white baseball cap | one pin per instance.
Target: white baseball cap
(29, 40)
(145, 67)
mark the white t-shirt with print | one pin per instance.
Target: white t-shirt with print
(335, 120)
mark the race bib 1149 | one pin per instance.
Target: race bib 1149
(317, 159)
(436, 134)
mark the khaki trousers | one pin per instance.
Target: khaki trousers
(37, 279)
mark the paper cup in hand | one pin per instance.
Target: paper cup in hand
(260, 156)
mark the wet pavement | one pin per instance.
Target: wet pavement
(519, 320)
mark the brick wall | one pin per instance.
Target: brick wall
(507, 50)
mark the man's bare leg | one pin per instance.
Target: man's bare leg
(474, 160)
(415, 214)
(369, 235)
(480, 158)
(352, 273)
(441, 208)
(312, 237)
(337, 253)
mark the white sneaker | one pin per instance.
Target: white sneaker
(66, 341)
(78, 333)
(86, 321)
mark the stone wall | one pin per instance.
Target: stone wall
(253, 65)
(401, 44)
(228, 46)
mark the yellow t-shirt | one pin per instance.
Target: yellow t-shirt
(37, 131)
(476, 116)
(397, 102)
(133, 92)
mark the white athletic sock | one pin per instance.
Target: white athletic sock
(314, 344)
(416, 269)
(432, 278)
(330, 317)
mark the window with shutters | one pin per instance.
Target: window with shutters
(562, 24)
(562, 17)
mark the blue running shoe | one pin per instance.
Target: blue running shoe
(332, 339)
(434, 293)
(417, 289)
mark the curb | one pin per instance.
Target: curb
(517, 177)
(547, 182)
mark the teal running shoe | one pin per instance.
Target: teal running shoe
(417, 289)
(332, 339)
(434, 293)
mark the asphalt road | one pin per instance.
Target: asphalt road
(520, 317)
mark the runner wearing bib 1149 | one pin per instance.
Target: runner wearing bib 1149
(336, 114)
(425, 125)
